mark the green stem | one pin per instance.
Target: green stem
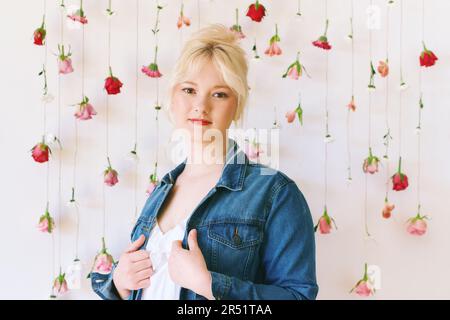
(326, 28)
(400, 165)
(298, 55)
(109, 162)
(73, 194)
(276, 29)
(257, 5)
(103, 245)
(156, 54)
(365, 272)
(110, 71)
(237, 17)
(81, 5)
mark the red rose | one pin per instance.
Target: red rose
(39, 36)
(427, 58)
(40, 152)
(112, 84)
(400, 181)
(256, 12)
(322, 43)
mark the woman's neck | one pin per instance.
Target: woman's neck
(205, 158)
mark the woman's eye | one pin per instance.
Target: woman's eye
(188, 90)
(221, 95)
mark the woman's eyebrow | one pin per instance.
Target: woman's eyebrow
(215, 87)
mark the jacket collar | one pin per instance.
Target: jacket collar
(233, 172)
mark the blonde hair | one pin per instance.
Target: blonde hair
(218, 44)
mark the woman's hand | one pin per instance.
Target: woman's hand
(134, 269)
(188, 269)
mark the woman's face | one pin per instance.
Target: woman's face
(203, 102)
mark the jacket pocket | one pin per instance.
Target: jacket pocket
(234, 246)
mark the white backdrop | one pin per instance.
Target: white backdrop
(411, 267)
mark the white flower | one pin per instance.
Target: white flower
(47, 98)
(109, 13)
(74, 275)
(72, 204)
(371, 88)
(276, 125)
(403, 86)
(328, 138)
(52, 141)
(391, 3)
(418, 130)
(132, 156)
(349, 180)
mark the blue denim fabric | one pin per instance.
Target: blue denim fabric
(255, 231)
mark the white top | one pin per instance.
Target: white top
(159, 245)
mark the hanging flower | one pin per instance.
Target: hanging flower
(152, 69)
(364, 287)
(109, 12)
(328, 138)
(74, 274)
(370, 164)
(427, 57)
(60, 285)
(236, 28)
(110, 175)
(78, 16)
(39, 34)
(256, 56)
(403, 84)
(387, 209)
(274, 49)
(64, 61)
(325, 223)
(41, 151)
(153, 183)
(253, 149)
(85, 110)
(399, 180)
(47, 98)
(295, 70)
(182, 19)
(112, 84)
(383, 68)
(256, 11)
(132, 155)
(73, 204)
(352, 106)
(371, 85)
(46, 222)
(417, 226)
(290, 116)
(103, 261)
(322, 41)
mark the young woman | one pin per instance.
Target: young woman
(216, 226)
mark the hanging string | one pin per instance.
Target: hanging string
(349, 155)
(366, 225)
(136, 110)
(107, 125)
(158, 106)
(401, 79)
(198, 13)
(388, 128)
(419, 128)
(326, 118)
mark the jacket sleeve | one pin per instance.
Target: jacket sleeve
(287, 254)
(103, 285)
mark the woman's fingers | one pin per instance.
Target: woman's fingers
(139, 255)
(145, 283)
(141, 265)
(144, 274)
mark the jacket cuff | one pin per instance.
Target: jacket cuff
(221, 284)
(103, 285)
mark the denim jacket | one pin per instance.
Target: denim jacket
(255, 232)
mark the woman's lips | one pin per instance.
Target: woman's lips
(201, 122)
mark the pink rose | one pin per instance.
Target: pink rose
(325, 223)
(293, 73)
(111, 177)
(46, 223)
(363, 289)
(417, 226)
(103, 263)
(65, 66)
(273, 50)
(85, 112)
(290, 116)
(60, 285)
